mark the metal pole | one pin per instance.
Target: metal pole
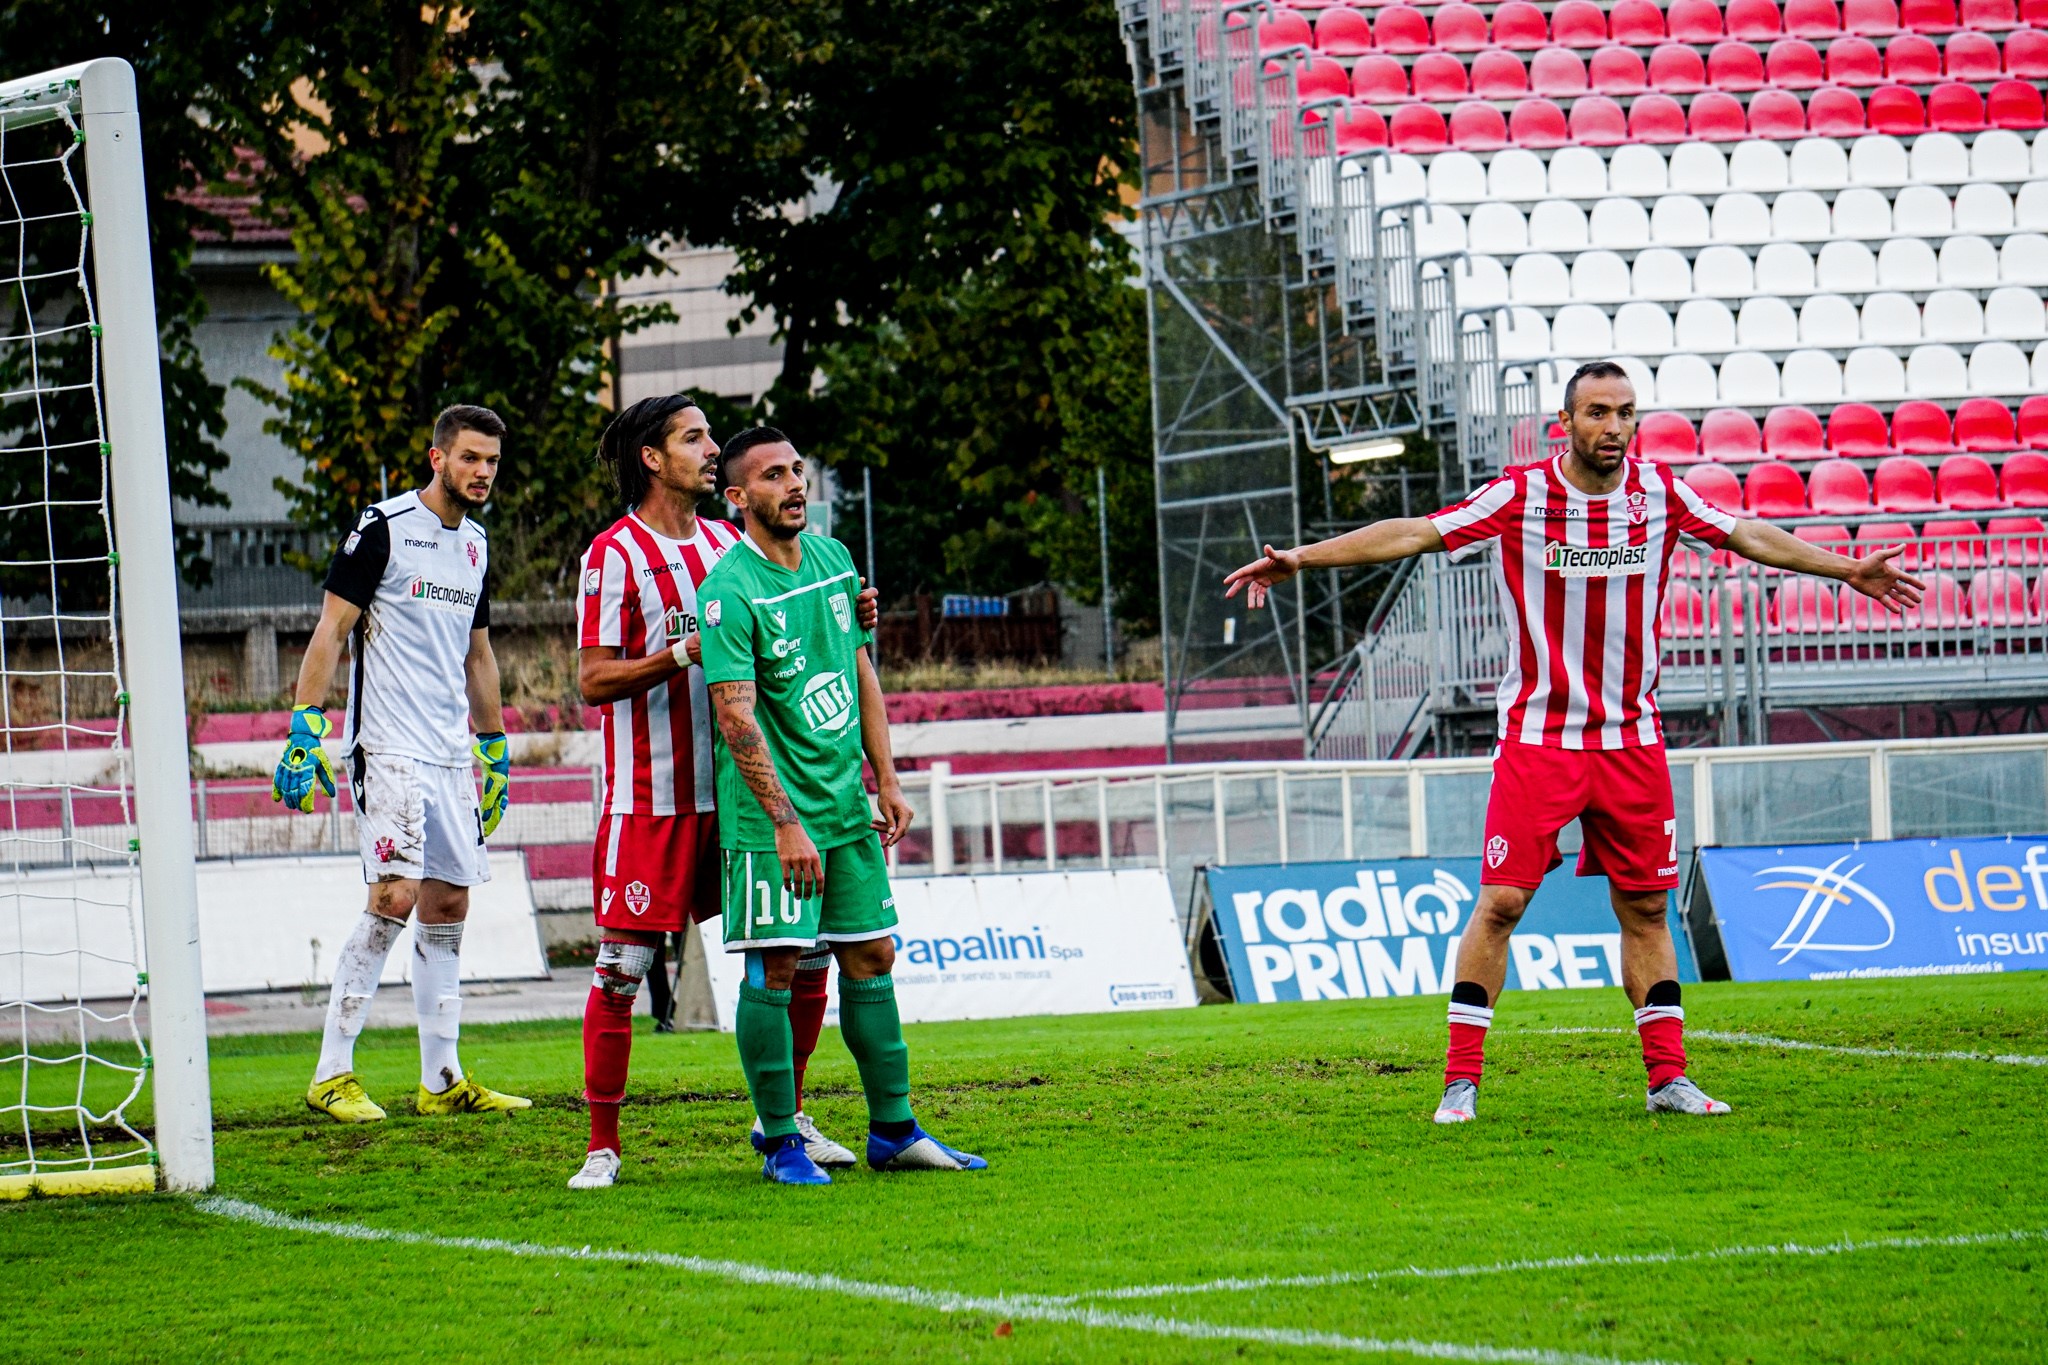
(140, 468)
(942, 821)
(1108, 596)
(867, 517)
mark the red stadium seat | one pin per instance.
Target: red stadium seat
(1803, 606)
(1922, 428)
(1857, 431)
(1418, 130)
(2034, 422)
(1870, 18)
(1735, 66)
(1972, 57)
(1438, 78)
(1677, 70)
(1401, 29)
(1285, 29)
(1520, 27)
(1998, 597)
(1379, 79)
(1716, 116)
(1687, 563)
(1694, 21)
(1855, 62)
(2017, 540)
(1668, 438)
(1637, 23)
(1944, 606)
(1928, 16)
(1730, 436)
(1730, 597)
(1776, 114)
(1618, 71)
(1990, 15)
(1478, 127)
(1683, 615)
(1656, 119)
(1897, 110)
(2040, 602)
(1319, 79)
(1498, 75)
(1812, 18)
(1834, 112)
(1835, 539)
(1754, 21)
(2024, 480)
(1557, 73)
(1882, 535)
(1597, 121)
(1460, 27)
(1954, 545)
(1717, 485)
(1794, 434)
(1912, 60)
(1903, 484)
(1774, 489)
(1838, 489)
(1955, 108)
(1967, 483)
(2015, 104)
(1857, 612)
(1343, 33)
(1794, 64)
(1985, 425)
(1360, 129)
(1578, 23)
(2026, 55)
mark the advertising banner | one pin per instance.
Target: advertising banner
(1907, 907)
(993, 947)
(1345, 931)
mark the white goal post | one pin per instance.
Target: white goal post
(136, 608)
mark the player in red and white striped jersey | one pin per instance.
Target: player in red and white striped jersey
(1583, 559)
(655, 864)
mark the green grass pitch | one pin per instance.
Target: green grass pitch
(1254, 1143)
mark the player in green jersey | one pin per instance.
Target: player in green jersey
(798, 704)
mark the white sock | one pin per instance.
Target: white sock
(355, 982)
(437, 1000)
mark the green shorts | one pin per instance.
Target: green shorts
(855, 905)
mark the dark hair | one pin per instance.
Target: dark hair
(744, 442)
(645, 423)
(462, 417)
(1592, 369)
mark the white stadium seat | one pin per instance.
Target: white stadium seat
(1642, 329)
(1517, 176)
(1457, 178)
(1680, 220)
(1581, 331)
(1638, 170)
(1497, 229)
(1398, 179)
(1620, 223)
(1880, 160)
(1966, 262)
(1600, 277)
(1936, 371)
(2000, 155)
(1890, 319)
(1820, 163)
(1939, 159)
(1864, 213)
(1811, 377)
(1726, 272)
(1748, 380)
(1845, 268)
(2040, 371)
(1698, 168)
(1919, 211)
(1829, 320)
(1482, 282)
(1952, 315)
(2014, 314)
(1767, 323)
(1688, 381)
(1439, 230)
(1639, 373)
(2030, 205)
(1758, 166)
(1983, 208)
(1539, 278)
(1558, 225)
(1520, 334)
(1743, 217)
(1906, 263)
(1872, 374)
(1996, 367)
(1786, 268)
(2024, 259)
(1663, 275)
(1704, 325)
(1580, 173)
(1802, 216)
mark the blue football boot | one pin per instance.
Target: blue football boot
(919, 1151)
(787, 1163)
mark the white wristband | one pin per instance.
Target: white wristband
(680, 650)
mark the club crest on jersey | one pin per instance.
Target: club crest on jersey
(593, 581)
(842, 613)
(1638, 507)
(713, 610)
(386, 850)
(637, 897)
(472, 554)
(1595, 561)
(1496, 850)
(827, 703)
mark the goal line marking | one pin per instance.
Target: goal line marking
(1839, 1049)
(1022, 1307)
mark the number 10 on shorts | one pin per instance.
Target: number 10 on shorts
(759, 909)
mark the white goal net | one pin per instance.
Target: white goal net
(82, 854)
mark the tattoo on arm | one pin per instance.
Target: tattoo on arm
(749, 748)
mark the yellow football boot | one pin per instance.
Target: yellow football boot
(467, 1097)
(341, 1098)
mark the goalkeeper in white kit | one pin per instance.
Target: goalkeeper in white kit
(409, 589)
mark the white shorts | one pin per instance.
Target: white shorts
(417, 820)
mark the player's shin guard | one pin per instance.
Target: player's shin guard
(761, 1027)
(608, 1035)
(807, 1000)
(437, 1000)
(874, 1035)
(1661, 1024)
(355, 984)
(1470, 1018)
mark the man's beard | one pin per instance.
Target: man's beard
(783, 529)
(460, 496)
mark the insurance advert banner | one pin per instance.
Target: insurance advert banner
(1907, 907)
(1345, 931)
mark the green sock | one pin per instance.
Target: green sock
(874, 1035)
(761, 1024)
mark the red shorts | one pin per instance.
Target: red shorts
(656, 873)
(1620, 797)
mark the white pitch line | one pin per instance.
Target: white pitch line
(1794, 1044)
(1586, 1262)
(1028, 1308)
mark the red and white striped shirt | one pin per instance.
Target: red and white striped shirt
(1584, 577)
(640, 597)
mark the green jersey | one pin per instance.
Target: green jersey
(792, 634)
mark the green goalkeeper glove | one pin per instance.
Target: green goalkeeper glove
(496, 758)
(304, 761)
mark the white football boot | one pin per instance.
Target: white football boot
(1460, 1103)
(1681, 1096)
(821, 1149)
(600, 1171)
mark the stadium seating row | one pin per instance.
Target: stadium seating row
(1901, 484)
(1767, 323)
(1624, 223)
(1750, 379)
(1995, 596)
(1858, 431)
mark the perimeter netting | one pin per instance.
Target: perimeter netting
(73, 1063)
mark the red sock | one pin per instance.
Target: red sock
(607, 1047)
(807, 997)
(1466, 1056)
(1662, 1028)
